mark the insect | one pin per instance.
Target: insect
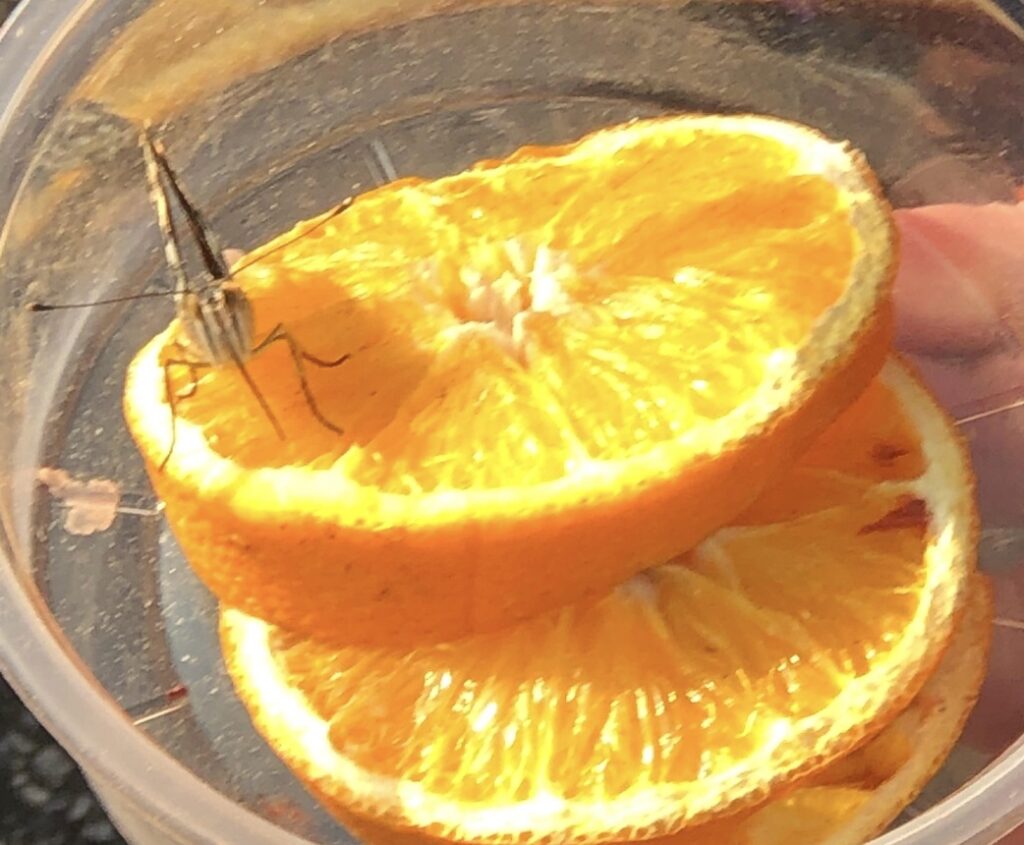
(215, 316)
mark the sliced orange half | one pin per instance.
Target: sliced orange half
(853, 798)
(694, 688)
(565, 367)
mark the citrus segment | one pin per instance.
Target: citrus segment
(691, 689)
(552, 357)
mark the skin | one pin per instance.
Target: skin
(959, 302)
(960, 315)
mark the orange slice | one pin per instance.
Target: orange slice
(561, 364)
(892, 769)
(692, 689)
(855, 797)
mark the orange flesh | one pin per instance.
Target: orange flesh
(584, 305)
(846, 802)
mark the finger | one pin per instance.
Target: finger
(960, 285)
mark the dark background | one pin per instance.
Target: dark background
(44, 799)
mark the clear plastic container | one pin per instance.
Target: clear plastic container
(274, 110)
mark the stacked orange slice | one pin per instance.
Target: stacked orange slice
(695, 688)
(630, 534)
(846, 803)
(565, 368)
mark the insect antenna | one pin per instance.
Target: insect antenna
(42, 307)
(344, 205)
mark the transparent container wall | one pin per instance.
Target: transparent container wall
(274, 111)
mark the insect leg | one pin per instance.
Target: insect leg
(174, 396)
(299, 357)
(193, 370)
(172, 405)
(321, 362)
(280, 333)
(260, 398)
